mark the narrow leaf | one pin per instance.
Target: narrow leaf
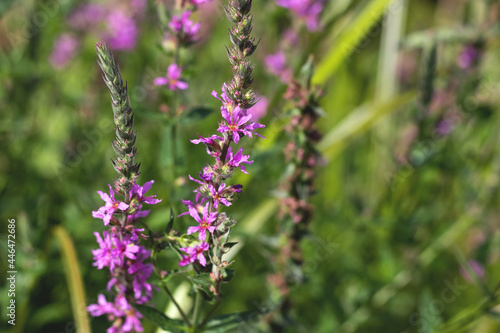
(160, 320)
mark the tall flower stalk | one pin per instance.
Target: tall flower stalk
(297, 188)
(120, 250)
(214, 193)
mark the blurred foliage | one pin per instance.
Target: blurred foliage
(396, 216)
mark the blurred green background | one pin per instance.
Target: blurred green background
(399, 209)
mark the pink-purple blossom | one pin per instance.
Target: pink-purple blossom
(172, 79)
(237, 124)
(237, 160)
(140, 191)
(276, 64)
(122, 31)
(193, 254)
(468, 57)
(308, 10)
(205, 222)
(65, 49)
(106, 212)
(117, 311)
(184, 28)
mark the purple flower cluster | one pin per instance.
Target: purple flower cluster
(185, 29)
(212, 193)
(118, 25)
(120, 251)
(182, 31)
(65, 48)
(308, 10)
(276, 64)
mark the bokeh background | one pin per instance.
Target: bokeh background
(404, 236)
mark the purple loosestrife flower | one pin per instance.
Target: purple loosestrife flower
(236, 124)
(236, 98)
(205, 222)
(218, 195)
(308, 10)
(184, 28)
(140, 191)
(106, 212)
(468, 57)
(238, 159)
(198, 2)
(65, 49)
(213, 144)
(120, 248)
(122, 31)
(172, 79)
(86, 16)
(276, 64)
(194, 253)
(105, 256)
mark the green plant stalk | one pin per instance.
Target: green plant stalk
(197, 304)
(74, 277)
(183, 315)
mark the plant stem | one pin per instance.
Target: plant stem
(184, 317)
(209, 314)
(197, 304)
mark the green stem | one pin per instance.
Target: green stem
(209, 314)
(184, 317)
(197, 305)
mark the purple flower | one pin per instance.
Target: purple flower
(132, 322)
(193, 254)
(86, 16)
(122, 31)
(477, 269)
(218, 195)
(106, 212)
(184, 27)
(103, 307)
(140, 192)
(237, 159)
(308, 10)
(259, 110)
(197, 207)
(226, 101)
(236, 124)
(64, 50)
(468, 57)
(205, 221)
(213, 144)
(276, 64)
(172, 79)
(198, 2)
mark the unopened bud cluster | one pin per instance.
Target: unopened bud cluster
(124, 142)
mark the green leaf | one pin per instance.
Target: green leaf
(170, 224)
(244, 320)
(228, 246)
(227, 274)
(348, 42)
(160, 320)
(359, 120)
(202, 282)
(196, 114)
